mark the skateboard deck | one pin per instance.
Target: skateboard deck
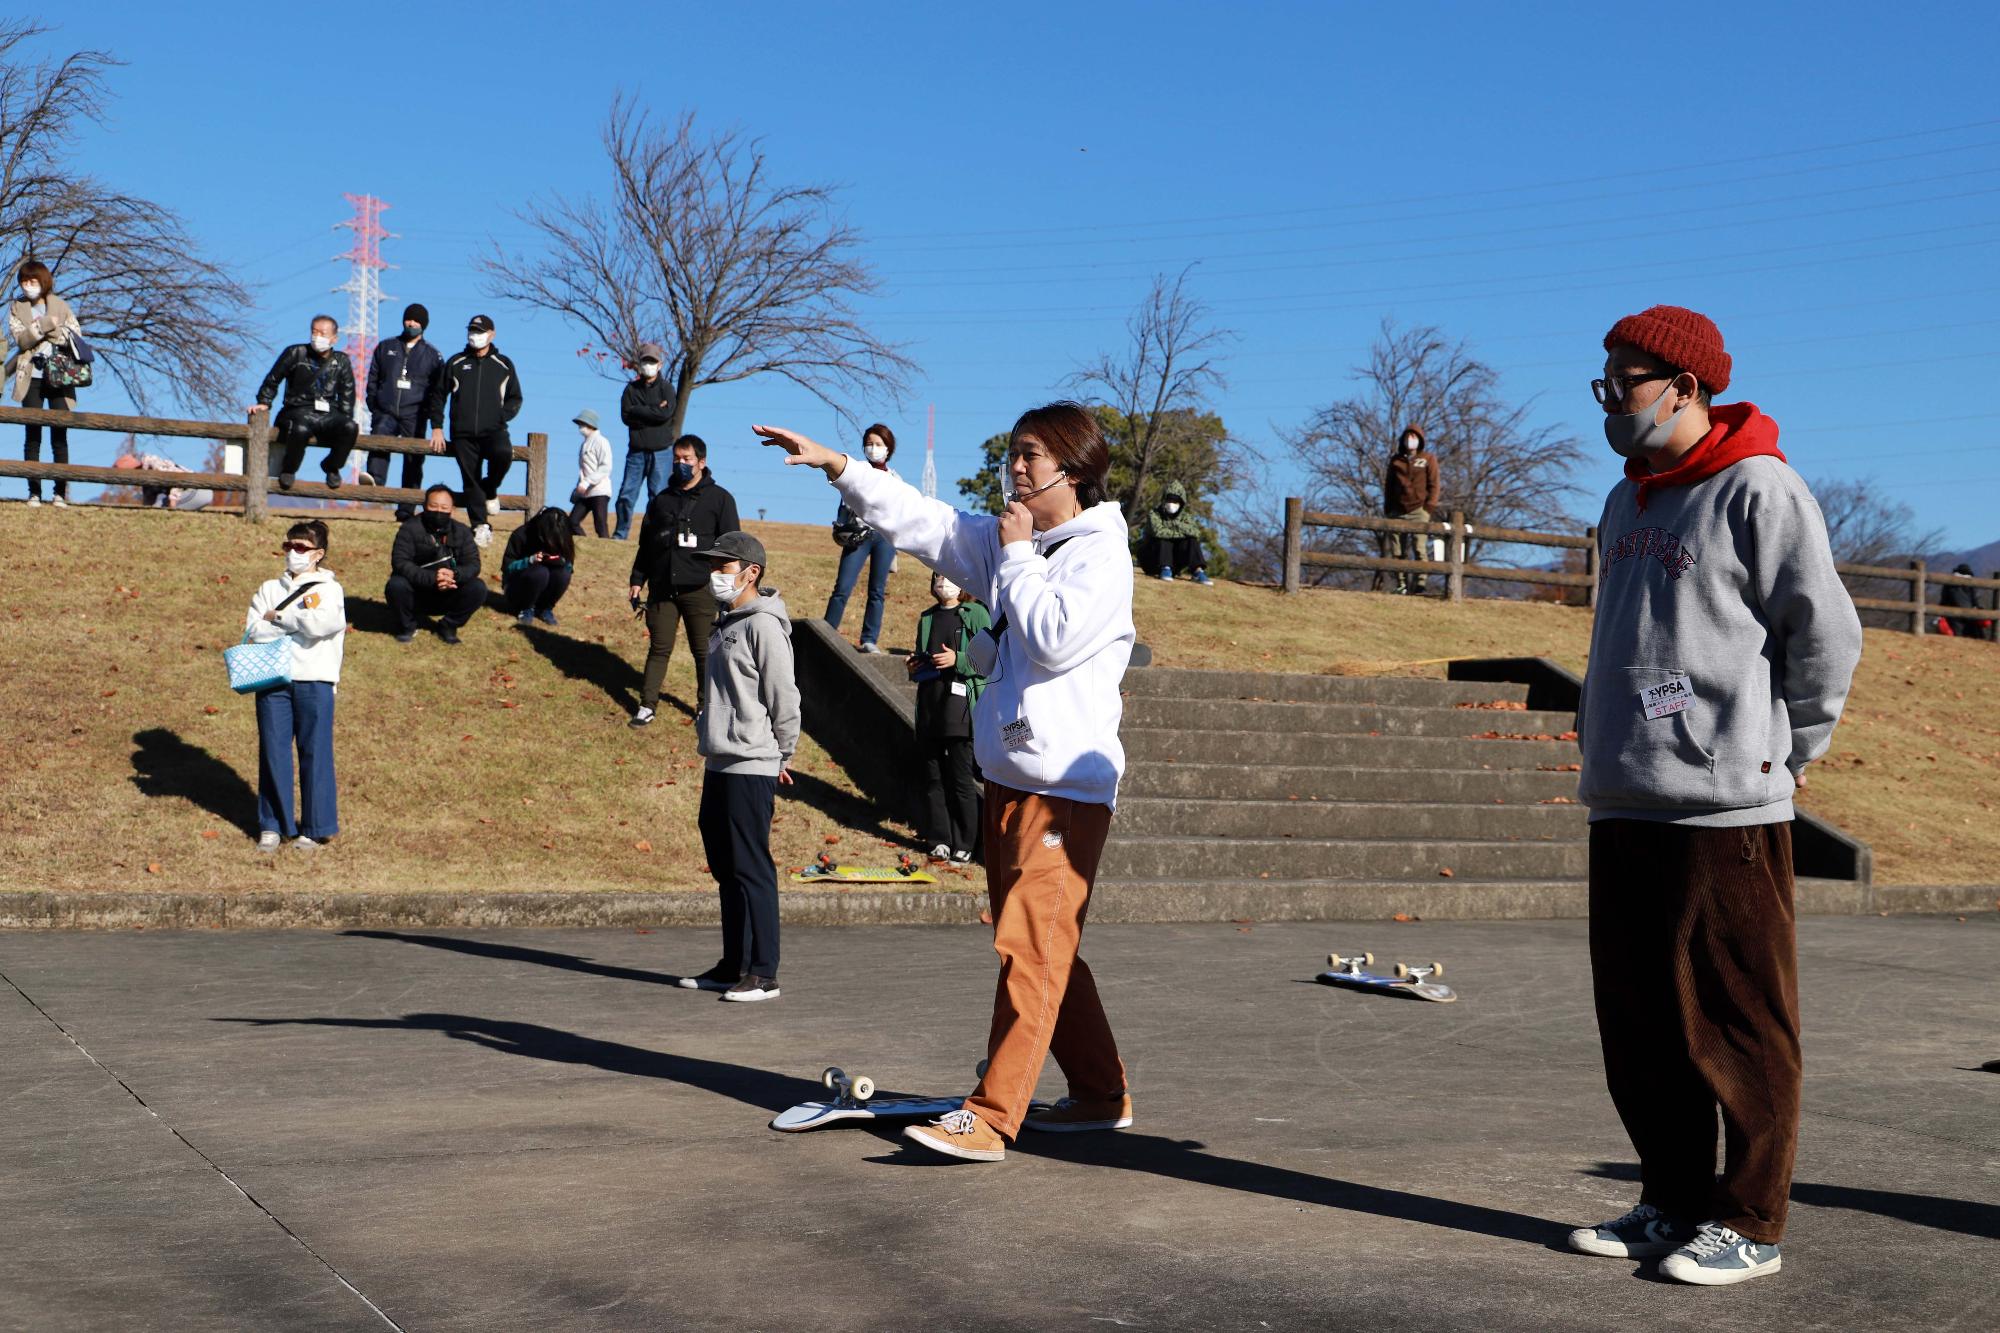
(854, 1099)
(906, 871)
(1405, 980)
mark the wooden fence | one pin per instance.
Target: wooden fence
(1922, 613)
(254, 482)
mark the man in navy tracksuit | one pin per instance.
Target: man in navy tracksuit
(485, 394)
(400, 376)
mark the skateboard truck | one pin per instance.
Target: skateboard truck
(824, 864)
(847, 1092)
(1405, 972)
(1351, 966)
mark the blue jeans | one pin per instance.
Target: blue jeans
(301, 714)
(535, 587)
(880, 551)
(653, 468)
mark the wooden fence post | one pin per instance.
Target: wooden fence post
(257, 467)
(1294, 540)
(1591, 556)
(1917, 597)
(538, 470)
(1454, 583)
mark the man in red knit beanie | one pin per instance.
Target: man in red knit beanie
(1719, 663)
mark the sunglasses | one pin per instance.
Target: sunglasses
(300, 547)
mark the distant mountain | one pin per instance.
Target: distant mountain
(1983, 559)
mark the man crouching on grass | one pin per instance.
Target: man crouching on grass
(747, 730)
(1719, 663)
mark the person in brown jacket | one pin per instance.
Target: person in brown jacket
(1410, 490)
(39, 322)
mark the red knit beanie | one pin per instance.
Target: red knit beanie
(1680, 337)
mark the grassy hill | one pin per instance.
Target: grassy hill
(505, 764)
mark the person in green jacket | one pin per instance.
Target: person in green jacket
(947, 687)
(1170, 539)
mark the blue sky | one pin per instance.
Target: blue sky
(1828, 188)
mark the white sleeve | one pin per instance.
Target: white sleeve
(1059, 624)
(254, 624)
(963, 547)
(320, 614)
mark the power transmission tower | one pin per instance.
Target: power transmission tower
(364, 289)
(930, 452)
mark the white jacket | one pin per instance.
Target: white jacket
(316, 622)
(1048, 719)
(593, 467)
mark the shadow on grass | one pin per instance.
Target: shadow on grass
(595, 664)
(1926, 1210)
(755, 1087)
(372, 615)
(842, 808)
(165, 765)
(515, 953)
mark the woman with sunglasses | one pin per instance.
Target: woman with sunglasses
(306, 605)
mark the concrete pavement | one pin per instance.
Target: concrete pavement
(532, 1130)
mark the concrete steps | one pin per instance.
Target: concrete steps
(1350, 718)
(1342, 858)
(1281, 782)
(1152, 816)
(1309, 747)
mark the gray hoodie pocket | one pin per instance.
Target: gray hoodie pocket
(1632, 760)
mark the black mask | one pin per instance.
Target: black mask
(435, 523)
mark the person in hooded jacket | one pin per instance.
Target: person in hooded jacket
(948, 688)
(683, 521)
(1410, 490)
(747, 732)
(304, 604)
(1171, 538)
(1055, 565)
(434, 570)
(647, 409)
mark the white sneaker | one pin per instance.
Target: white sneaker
(1643, 1233)
(482, 536)
(268, 841)
(60, 503)
(940, 853)
(1718, 1257)
(870, 648)
(34, 502)
(305, 844)
(642, 718)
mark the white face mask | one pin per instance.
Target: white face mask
(477, 340)
(876, 453)
(946, 590)
(649, 369)
(1171, 508)
(298, 562)
(321, 342)
(723, 586)
(583, 430)
(32, 290)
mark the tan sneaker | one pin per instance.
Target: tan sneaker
(1071, 1116)
(960, 1133)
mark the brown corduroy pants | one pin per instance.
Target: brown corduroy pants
(1694, 963)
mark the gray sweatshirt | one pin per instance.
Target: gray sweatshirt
(751, 723)
(1722, 650)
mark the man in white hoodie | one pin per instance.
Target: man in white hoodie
(1056, 568)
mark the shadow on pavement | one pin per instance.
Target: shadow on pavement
(514, 953)
(166, 765)
(1925, 1210)
(756, 1087)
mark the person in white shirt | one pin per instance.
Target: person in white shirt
(306, 605)
(592, 495)
(1056, 569)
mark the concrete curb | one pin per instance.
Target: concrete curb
(1115, 902)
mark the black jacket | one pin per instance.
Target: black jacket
(485, 392)
(391, 361)
(308, 378)
(647, 406)
(665, 563)
(418, 556)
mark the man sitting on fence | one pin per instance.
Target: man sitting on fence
(164, 497)
(435, 570)
(1410, 490)
(319, 402)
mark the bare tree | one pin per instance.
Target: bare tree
(1163, 376)
(163, 317)
(697, 248)
(1497, 466)
(1865, 527)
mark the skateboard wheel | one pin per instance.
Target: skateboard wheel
(1367, 959)
(1402, 971)
(862, 1088)
(831, 1077)
(1333, 960)
(1437, 969)
(979, 1070)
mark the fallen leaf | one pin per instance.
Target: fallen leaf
(1402, 916)
(107, 694)
(831, 839)
(210, 834)
(152, 867)
(1245, 930)
(548, 846)
(643, 845)
(1445, 872)
(640, 930)
(509, 703)
(211, 710)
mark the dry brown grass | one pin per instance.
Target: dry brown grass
(497, 766)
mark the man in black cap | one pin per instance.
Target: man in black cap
(400, 376)
(485, 393)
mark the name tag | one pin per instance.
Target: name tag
(689, 540)
(403, 381)
(1670, 696)
(958, 687)
(1016, 734)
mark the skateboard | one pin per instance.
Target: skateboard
(853, 1099)
(907, 871)
(1407, 980)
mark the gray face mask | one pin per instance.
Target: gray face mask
(1637, 435)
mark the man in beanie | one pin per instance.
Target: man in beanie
(400, 376)
(485, 393)
(1410, 490)
(647, 409)
(1719, 664)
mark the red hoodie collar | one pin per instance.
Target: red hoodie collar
(1736, 431)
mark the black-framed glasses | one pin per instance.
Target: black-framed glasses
(1613, 388)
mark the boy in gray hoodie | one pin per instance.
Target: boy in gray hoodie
(1719, 663)
(747, 730)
